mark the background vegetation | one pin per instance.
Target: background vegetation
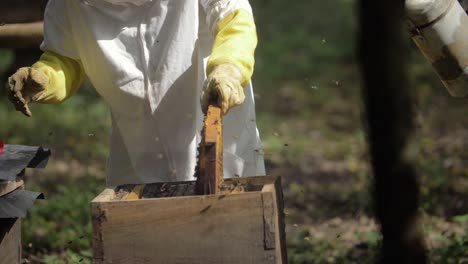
(308, 102)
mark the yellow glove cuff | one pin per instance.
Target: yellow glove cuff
(65, 76)
(235, 43)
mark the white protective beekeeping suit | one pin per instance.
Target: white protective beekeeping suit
(147, 59)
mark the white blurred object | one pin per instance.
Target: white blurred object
(440, 30)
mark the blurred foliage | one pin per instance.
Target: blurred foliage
(79, 127)
(305, 249)
(59, 227)
(309, 116)
(455, 252)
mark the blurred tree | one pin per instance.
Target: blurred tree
(389, 123)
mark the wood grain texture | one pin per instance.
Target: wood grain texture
(278, 211)
(232, 228)
(10, 241)
(269, 224)
(210, 177)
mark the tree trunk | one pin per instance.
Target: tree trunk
(388, 110)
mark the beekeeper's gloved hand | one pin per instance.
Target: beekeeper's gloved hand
(51, 80)
(27, 85)
(224, 83)
(231, 61)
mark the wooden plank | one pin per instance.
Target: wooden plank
(214, 154)
(210, 168)
(97, 219)
(194, 229)
(278, 211)
(269, 223)
(10, 240)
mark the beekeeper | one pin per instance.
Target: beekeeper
(154, 62)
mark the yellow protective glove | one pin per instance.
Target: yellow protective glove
(223, 86)
(65, 76)
(27, 85)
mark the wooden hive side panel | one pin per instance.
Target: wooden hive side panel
(197, 229)
(275, 203)
(97, 215)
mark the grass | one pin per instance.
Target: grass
(58, 228)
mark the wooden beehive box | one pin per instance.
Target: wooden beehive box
(14, 200)
(10, 240)
(178, 227)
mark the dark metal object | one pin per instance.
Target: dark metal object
(17, 203)
(17, 157)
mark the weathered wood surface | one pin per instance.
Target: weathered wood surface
(275, 208)
(221, 228)
(214, 154)
(10, 241)
(210, 157)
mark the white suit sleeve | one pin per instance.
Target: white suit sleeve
(217, 10)
(58, 34)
